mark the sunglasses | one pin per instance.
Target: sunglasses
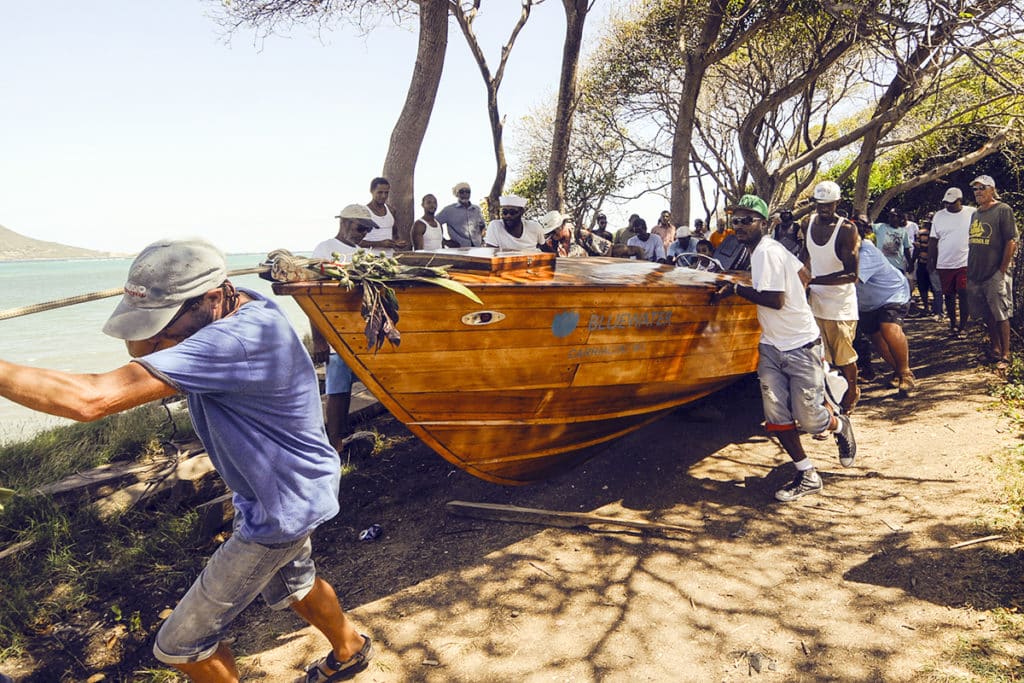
(746, 220)
(510, 212)
(979, 188)
(363, 229)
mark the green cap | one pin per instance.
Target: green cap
(751, 203)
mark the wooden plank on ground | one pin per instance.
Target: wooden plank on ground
(187, 473)
(513, 513)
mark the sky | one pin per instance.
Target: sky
(122, 122)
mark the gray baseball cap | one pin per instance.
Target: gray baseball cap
(162, 277)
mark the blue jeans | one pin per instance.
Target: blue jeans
(237, 572)
(793, 388)
(338, 377)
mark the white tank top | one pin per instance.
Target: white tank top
(431, 236)
(830, 302)
(385, 229)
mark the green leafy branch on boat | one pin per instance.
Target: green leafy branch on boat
(373, 273)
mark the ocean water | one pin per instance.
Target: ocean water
(70, 338)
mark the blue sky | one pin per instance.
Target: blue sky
(122, 122)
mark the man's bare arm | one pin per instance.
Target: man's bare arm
(82, 397)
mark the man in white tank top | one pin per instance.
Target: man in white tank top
(426, 231)
(382, 238)
(831, 253)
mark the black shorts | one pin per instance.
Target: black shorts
(871, 321)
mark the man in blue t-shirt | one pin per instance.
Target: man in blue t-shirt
(883, 299)
(252, 395)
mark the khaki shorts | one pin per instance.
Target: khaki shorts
(838, 337)
(993, 296)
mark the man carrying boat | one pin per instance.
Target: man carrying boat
(791, 365)
(354, 222)
(253, 399)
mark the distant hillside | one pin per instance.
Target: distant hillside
(15, 247)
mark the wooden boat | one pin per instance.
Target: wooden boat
(556, 360)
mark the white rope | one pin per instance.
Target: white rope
(95, 296)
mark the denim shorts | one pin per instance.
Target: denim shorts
(793, 388)
(237, 572)
(338, 379)
(994, 296)
(871, 321)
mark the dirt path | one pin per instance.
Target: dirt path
(858, 583)
(855, 584)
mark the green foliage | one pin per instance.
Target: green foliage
(74, 555)
(56, 453)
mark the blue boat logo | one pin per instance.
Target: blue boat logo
(565, 323)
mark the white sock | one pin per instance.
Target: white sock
(804, 465)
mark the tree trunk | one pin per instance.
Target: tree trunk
(501, 165)
(575, 18)
(697, 60)
(411, 127)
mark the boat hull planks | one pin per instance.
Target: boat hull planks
(517, 389)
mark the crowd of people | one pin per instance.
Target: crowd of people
(254, 400)
(823, 286)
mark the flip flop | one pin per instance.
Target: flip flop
(329, 669)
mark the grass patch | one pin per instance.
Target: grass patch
(76, 558)
(999, 656)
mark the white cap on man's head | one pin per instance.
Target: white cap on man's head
(552, 220)
(512, 200)
(359, 213)
(162, 277)
(826, 192)
(952, 195)
(985, 180)
(682, 231)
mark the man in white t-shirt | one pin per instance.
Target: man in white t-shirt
(650, 246)
(791, 365)
(354, 221)
(512, 232)
(947, 255)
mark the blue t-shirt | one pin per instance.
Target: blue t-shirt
(879, 283)
(253, 396)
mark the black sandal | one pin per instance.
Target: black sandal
(329, 669)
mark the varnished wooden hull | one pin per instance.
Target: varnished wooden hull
(553, 362)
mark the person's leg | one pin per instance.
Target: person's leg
(338, 387)
(936, 287)
(321, 609)
(849, 372)
(1003, 337)
(337, 418)
(961, 298)
(951, 301)
(882, 346)
(220, 668)
(891, 335)
(238, 571)
(924, 286)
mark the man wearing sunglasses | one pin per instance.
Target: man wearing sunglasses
(253, 400)
(354, 222)
(512, 232)
(990, 249)
(831, 253)
(790, 365)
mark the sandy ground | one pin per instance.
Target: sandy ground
(855, 584)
